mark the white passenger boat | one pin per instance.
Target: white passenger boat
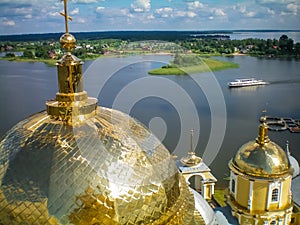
(246, 82)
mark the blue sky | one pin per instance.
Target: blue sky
(35, 16)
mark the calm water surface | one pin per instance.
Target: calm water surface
(25, 87)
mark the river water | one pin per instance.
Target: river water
(222, 119)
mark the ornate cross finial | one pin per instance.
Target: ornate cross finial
(65, 14)
(264, 116)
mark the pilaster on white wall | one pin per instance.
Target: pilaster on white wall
(233, 177)
(280, 195)
(250, 198)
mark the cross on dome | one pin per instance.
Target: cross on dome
(65, 14)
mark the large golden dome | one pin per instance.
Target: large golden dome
(109, 170)
(261, 157)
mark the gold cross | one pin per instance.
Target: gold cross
(65, 14)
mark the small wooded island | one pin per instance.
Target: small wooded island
(184, 64)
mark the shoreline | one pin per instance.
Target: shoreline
(50, 62)
(208, 64)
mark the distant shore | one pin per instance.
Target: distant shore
(49, 62)
(207, 65)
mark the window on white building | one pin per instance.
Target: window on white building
(233, 185)
(274, 197)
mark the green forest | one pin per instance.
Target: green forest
(49, 50)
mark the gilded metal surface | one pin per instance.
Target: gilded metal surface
(69, 70)
(261, 157)
(67, 41)
(72, 104)
(263, 133)
(65, 14)
(191, 159)
(110, 170)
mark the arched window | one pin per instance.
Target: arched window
(274, 195)
(273, 222)
(233, 185)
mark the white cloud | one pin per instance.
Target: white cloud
(80, 20)
(85, 1)
(100, 9)
(113, 14)
(8, 23)
(293, 8)
(191, 14)
(195, 5)
(246, 11)
(164, 12)
(19, 1)
(240, 8)
(250, 14)
(188, 14)
(150, 17)
(74, 11)
(147, 14)
(270, 11)
(276, 1)
(54, 14)
(23, 10)
(180, 14)
(28, 16)
(168, 12)
(219, 12)
(141, 6)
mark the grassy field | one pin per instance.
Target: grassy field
(50, 62)
(207, 65)
(219, 196)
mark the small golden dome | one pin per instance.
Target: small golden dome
(266, 160)
(191, 159)
(261, 157)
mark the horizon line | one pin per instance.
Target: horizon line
(163, 30)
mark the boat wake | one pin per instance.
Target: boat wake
(290, 81)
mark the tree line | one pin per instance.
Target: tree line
(208, 45)
(284, 47)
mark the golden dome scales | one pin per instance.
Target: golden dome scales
(77, 163)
